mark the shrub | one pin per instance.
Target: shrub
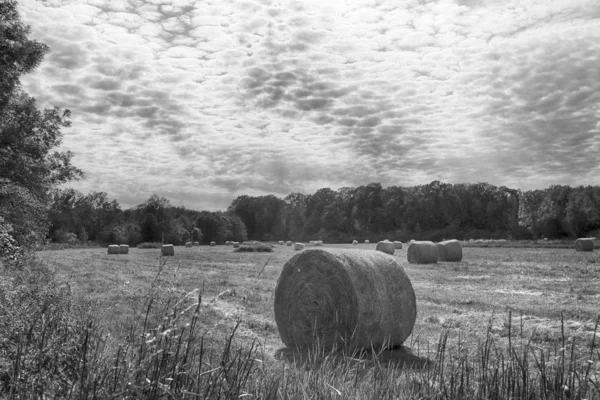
(149, 245)
(253, 247)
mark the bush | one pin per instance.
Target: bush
(253, 247)
(149, 245)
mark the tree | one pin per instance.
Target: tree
(29, 166)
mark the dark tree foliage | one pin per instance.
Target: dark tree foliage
(30, 167)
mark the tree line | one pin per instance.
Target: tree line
(429, 212)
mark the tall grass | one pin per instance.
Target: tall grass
(52, 348)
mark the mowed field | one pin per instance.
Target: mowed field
(468, 299)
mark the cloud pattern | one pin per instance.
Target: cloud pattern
(201, 101)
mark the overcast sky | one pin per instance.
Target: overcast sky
(202, 101)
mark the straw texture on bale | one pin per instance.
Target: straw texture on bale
(113, 249)
(236, 245)
(398, 245)
(584, 244)
(386, 247)
(367, 241)
(188, 244)
(450, 250)
(167, 250)
(213, 243)
(344, 297)
(289, 243)
(298, 246)
(123, 249)
(422, 253)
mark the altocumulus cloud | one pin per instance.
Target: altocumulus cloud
(201, 101)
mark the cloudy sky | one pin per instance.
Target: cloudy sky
(202, 101)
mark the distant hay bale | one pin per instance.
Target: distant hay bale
(213, 243)
(312, 242)
(113, 249)
(281, 242)
(298, 246)
(289, 243)
(188, 244)
(167, 250)
(236, 245)
(422, 253)
(319, 243)
(227, 243)
(582, 244)
(355, 242)
(386, 247)
(123, 249)
(450, 250)
(367, 241)
(398, 244)
(196, 243)
(344, 297)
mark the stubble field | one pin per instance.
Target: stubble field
(553, 295)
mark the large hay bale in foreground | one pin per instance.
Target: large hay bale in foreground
(584, 244)
(123, 249)
(397, 244)
(188, 244)
(113, 249)
(450, 250)
(422, 252)
(344, 297)
(386, 247)
(298, 246)
(167, 250)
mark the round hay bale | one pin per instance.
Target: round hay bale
(236, 245)
(367, 241)
(213, 243)
(344, 297)
(196, 243)
(167, 250)
(289, 243)
(386, 247)
(397, 244)
(584, 244)
(188, 244)
(319, 243)
(449, 250)
(113, 249)
(298, 246)
(227, 243)
(355, 242)
(123, 249)
(281, 242)
(422, 253)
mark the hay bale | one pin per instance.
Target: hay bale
(289, 243)
(386, 247)
(367, 241)
(449, 250)
(355, 242)
(196, 243)
(344, 297)
(188, 244)
(227, 243)
(298, 246)
(320, 242)
(167, 250)
(113, 249)
(397, 244)
(281, 242)
(584, 244)
(123, 249)
(236, 245)
(422, 252)
(213, 243)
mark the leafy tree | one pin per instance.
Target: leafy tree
(29, 165)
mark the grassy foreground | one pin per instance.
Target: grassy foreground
(504, 323)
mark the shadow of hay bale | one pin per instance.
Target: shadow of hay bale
(400, 357)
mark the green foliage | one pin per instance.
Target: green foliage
(149, 245)
(254, 248)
